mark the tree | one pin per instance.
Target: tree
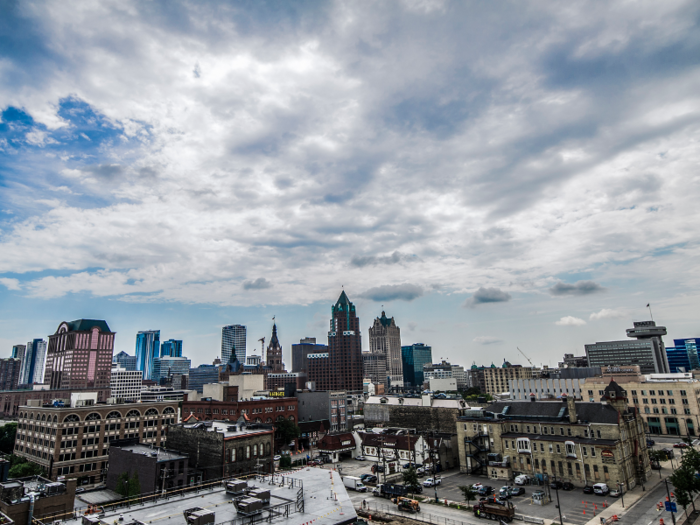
(286, 461)
(684, 483)
(287, 430)
(468, 492)
(23, 468)
(410, 480)
(657, 456)
(134, 485)
(128, 486)
(8, 433)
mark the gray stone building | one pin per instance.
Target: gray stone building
(385, 339)
(425, 413)
(332, 406)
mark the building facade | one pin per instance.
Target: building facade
(647, 350)
(374, 366)
(126, 384)
(583, 443)
(414, 358)
(280, 380)
(424, 414)
(32, 370)
(221, 449)
(157, 468)
(171, 348)
(166, 366)
(266, 411)
(328, 405)
(305, 347)
(11, 400)
(73, 441)
(80, 355)
(344, 348)
(9, 373)
(126, 361)
(546, 389)
(200, 376)
(233, 343)
(497, 379)
(446, 370)
(147, 349)
(683, 356)
(273, 360)
(18, 351)
(385, 339)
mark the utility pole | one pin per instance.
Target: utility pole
(556, 489)
(668, 496)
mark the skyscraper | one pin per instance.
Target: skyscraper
(126, 361)
(345, 347)
(80, 355)
(171, 348)
(233, 341)
(18, 351)
(414, 357)
(385, 338)
(32, 371)
(274, 352)
(147, 349)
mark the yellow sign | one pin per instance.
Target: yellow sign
(276, 394)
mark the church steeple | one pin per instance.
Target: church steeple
(274, 351)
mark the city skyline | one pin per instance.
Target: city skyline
(492, 178)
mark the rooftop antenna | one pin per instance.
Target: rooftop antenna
(652, 315)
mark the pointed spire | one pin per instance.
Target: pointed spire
(343, 299)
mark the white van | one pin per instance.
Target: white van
(601, 489)
(522, 479)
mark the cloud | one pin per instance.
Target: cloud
(607, 313)
(487, 340)
(487, 295)
(393, 292)
(258, 284)
(10, 284)
(570, 321)
(578, 288)
(369, 260)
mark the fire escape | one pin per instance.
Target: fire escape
(476, 448)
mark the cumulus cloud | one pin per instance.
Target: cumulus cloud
(570, 321)
(487, 295)
(607, 313)
(369, 260)
(487, 340)
(393, 292)
(10, 284)
(258, 284)
(578, 288)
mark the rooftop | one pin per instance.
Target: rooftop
(549, 411)
(85, 325)
(228, 429)
(159, 453)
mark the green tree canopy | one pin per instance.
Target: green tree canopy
(287, 430)
(410, 480)
(8, 433)
(468, 492)
(21, 468)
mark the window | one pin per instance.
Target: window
(247, 452)
(255, 450)
(645, 401)
(541, 447)
(656, 410)
(686, 411)
(647, 410)
(561, 430)
(598, 433)
(652, 392)
(585, 451)
(544, 430)
(634, 392)
(592, 452)
(669, 392)
(671, 401)
(662, 401)
(683, 392)
(523, 445)
(568, 430)
(644, 392)
(558, 449)
(685, 401)
(653, 401)
(570, 449)
(506, 443)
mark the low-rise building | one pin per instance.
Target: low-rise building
(496, 379)
(50, 500)
(583, 443)
(12, 400)
(546, 389)
(73, 440)
(267, 410)
(221, 449)
(126, 384)
(157, 468)
(424, 413)
(330, 405)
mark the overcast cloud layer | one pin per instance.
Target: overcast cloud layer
(267, 154)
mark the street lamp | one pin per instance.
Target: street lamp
(556, 489)
(620, 487)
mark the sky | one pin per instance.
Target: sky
(494, 175)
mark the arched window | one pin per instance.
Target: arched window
(43, 417)
(114, 415)
(151, 412)
(31, 416)
(255, 450)
(258, 420)
(240, 453)
(267, 449)
(247, 452)
(94, 416)
(268, 420)
(71, 418)
(169, 410)
(133, 413)
(233, 455)
(291, 418)
(55, 419)
(280, 418)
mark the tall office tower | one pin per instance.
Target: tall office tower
(166, 366)
(647, 351)
(301, 350)
(414, 357)
(683, 356)
(32, 371)
(18, 351)
(147, 349)
(385, 338)
(374, 367)
(80, 355)
(233, 343)
(171, 348)
(274, 352)
(345, 347)
(126, 361)
(9, 373)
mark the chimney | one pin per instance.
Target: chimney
(571, 407)
(533, 397)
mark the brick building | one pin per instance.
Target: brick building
(9, 373)
(73, 441)
(157, 468)
(80, 355)
(12, 400)
(314, 406)
(50, 499)
(425, 413)
(583, 443)
(265, 411)
(279, 380)
(221, 449)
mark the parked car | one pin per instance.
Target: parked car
(431, 482)
(556, 485)
(368, 478)
(522, 479)
(420, 471)
(377, 468)
(485, 490)
(615, 493)
(360, 458)
(588, 489)
(681, 444)
(504, 492)
(567, 485)
(79, 490)
(277, 457)
(650, 442)
(517, 491)
(477, 486)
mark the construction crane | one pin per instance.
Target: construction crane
(262, 340)
(526, 357)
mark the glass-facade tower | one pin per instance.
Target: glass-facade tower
(414, 357)
(147, 349)
(233, 342)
